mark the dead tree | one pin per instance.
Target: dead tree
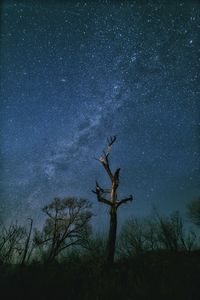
(113, 201)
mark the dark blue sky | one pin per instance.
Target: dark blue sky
(75, 72)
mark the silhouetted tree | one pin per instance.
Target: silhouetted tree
(67, 224)
(132, 239)
(11, 243)
(113, 201)
(193, 211)
(140, 235)
(172, 235)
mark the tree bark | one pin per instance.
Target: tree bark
(112, 235)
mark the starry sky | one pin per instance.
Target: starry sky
(74, 73)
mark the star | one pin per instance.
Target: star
(76, 73)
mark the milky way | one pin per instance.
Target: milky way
(74, 73)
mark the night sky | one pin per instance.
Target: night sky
(74, 73)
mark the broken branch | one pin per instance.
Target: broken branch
(125, 200)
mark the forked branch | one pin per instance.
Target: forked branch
(110, 141)
(125, 200)
(99, 192)
(104, 157)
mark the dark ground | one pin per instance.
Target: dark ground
(160, 275)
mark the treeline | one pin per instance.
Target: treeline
(155, 258)
(68, 227)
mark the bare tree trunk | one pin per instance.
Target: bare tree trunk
(112, 235)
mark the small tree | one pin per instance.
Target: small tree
(11, 243)
(193, 211)
(113, 201)
(132, 237)
(172, 235)
(67, 224)
(167, 233)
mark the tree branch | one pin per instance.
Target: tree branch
(104, 161)
(99, 192)
(101, 199)
(125, 200)
(104, 157)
